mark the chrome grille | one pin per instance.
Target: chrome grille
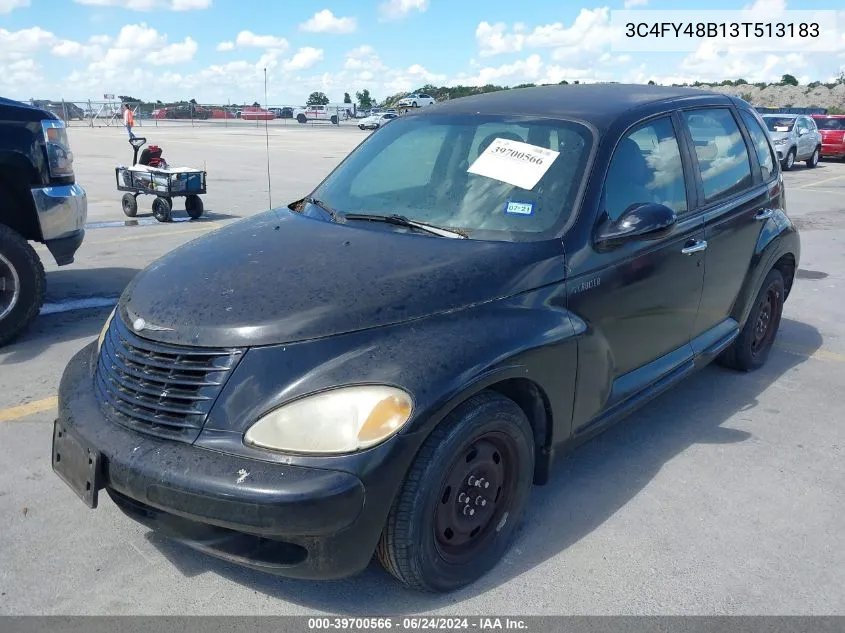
(157, 388)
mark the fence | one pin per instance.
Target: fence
(109, 114)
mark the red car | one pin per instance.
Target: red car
(832, 128)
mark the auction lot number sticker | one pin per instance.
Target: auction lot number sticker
(518, 164)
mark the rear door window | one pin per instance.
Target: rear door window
(761, 145)
(721, 153)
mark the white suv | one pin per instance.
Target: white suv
(416, 100)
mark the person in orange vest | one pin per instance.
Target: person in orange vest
(128, 120)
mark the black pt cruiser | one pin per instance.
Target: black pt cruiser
(387, 365)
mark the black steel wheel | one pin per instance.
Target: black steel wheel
(751, 349)
(162, 209)
(463, 497)
(22, 284)
(130, 205)
(193, 205)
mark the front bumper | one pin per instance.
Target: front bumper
(62, 212)
(279, 518)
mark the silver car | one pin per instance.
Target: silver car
(796, 139)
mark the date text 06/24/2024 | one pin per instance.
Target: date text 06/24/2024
(417, 623)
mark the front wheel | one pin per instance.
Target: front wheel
(301, 118)
(162, 209)
(751, 348)
(23, 284)
(193, 206)
(130, 205)
(814, 159)
(463, 497)
(789, 161)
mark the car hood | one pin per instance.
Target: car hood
(280, 277)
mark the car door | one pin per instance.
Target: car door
(806, 142)
(738, 181)
(641, 298)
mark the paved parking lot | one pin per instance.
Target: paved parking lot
(725, 496)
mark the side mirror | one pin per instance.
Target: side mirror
(803, 131)
(644, 221)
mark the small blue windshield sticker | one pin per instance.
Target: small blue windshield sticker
(519, 208)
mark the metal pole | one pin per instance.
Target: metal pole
(267, 140)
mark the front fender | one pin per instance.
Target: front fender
(441, 360)
(778, 239)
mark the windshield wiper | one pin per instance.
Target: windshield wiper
(337, 217)
(401, 220)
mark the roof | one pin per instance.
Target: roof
(599, 104)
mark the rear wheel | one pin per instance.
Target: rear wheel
(193, 206)
(751, 348)
(334, 119)
(814, 159)
(463, 497)
(130, 205)
(22, 284)
(162, 209)
(301, 118)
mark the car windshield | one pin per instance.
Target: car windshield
(427, 169)
(830, 123)
(779, 124)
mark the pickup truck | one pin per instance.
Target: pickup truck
(331, 112)
(40, 201)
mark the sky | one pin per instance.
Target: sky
(215, 51)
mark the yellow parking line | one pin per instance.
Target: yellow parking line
(819, 182)
(30, 408)
(146, 236)
(819, 354)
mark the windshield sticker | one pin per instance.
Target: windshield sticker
(781, 128)
(518, 164)
(519, 208)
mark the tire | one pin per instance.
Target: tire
(487, 437)
(23, 284)
(360, 127)
(813, 161)
(751, 349)
(193, 206)
(130, 205)
(334, 119)
(414, 105)
(162, 209)
(789, 160)
(301, 118)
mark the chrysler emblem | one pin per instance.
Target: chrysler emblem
(140, 324)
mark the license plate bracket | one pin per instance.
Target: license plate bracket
(77, 463)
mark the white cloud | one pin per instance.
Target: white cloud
(24, 43)
(102, 40)
(248, 39)
(7, 6)
(629, 4)
(71, 49)
(523, 70)
(149, 5)
(396, 9)
(177, 53)
(363, 58)
(226, 46)
(590, 32)
(305, 58)
(325, 22)
(493, 40)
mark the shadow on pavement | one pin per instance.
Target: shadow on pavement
(587, 488)
(52, 328)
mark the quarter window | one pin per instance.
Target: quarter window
(720, 149)
(646, 167)
(761, 145)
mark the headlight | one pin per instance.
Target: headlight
(104, 330)
(342, 420)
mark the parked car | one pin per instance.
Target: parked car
(330, 112)
(499, 279)
(40, 201)
(832, 129)
(376, 121)
(416, 100)
(796, 138)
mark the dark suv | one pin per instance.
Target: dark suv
(477, 288)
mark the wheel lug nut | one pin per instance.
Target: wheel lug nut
(480, 501)
(481, 483)
(468, 511)
(462, 497)
(471, 481)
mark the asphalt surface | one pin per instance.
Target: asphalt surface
(724, 496)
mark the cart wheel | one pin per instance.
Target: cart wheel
(130, 205)
(193, 205)
(161, 209)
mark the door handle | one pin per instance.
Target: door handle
(765, 214)
(694, 247)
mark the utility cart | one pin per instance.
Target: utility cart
(154, 177)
